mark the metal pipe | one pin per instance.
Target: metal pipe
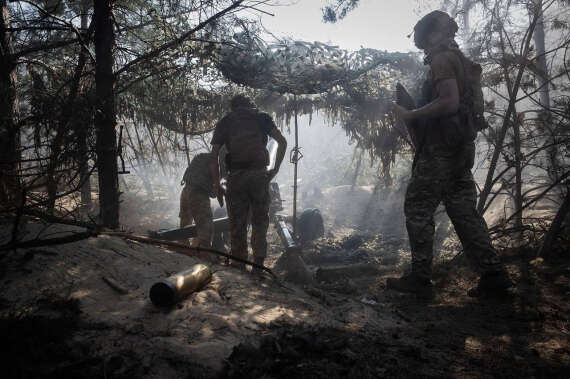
(291, 262)
(171, 290)
(286, 238)
(220, 225)
(296, 160)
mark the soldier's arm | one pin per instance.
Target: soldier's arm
(404, 99)
(281, 148)
(447, 103)
(215, 170)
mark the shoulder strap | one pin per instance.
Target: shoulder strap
(466, 65)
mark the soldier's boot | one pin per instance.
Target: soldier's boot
(411, 283)
(492, 284)
(258, 271)
(237, 264)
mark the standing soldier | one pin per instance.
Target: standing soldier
(195, 199)
(443, 162)
(244, 131)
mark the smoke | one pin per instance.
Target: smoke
(334, 175)
(342, 181)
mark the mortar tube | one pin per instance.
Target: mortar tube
(171, 290)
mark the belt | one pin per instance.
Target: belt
(245, 166)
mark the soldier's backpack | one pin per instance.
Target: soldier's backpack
(246, 143)
(198, 175)
(472, 100)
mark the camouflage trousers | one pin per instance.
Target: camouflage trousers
(446, 178)
(248, 191)
(195, 206)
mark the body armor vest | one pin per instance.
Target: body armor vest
(246, 140)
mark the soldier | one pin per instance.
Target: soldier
(195, 199)
(244, 131)
(443, 162)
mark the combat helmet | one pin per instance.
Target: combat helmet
(241, 101)
(436, 20)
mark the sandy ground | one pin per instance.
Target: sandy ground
(60, 319)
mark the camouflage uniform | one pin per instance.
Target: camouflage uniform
(442, 173)
(248, 191)
(439, 176)
(244, 132)
(195, 199)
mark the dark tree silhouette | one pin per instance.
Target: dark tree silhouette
(106, 145)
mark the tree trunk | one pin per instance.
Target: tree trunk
(9, 133)
(106, 138)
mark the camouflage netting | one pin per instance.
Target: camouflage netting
(298, 67)
(353, 89)
(350, 89)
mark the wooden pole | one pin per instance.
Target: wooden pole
(295, 161)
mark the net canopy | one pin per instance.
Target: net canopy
(299, 67)
(353, 89)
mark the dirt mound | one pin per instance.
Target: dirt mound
(329, 353)
(120, 333)
(60, 318)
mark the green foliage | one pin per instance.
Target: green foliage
(338, 10)
(353, 89)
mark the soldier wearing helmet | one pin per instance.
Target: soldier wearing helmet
(244, 131)
(442, 166)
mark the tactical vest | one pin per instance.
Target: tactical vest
(246, 141)
(452, 131)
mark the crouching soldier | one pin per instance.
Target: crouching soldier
(443, 162)
(244, 131)
(195, 199)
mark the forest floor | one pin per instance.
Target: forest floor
(60, 319)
